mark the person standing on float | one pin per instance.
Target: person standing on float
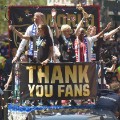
(39, 18)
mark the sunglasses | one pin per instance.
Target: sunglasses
(39, 28)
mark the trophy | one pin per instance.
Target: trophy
(86, 16)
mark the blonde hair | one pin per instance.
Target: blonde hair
(65, 27)
(41, 15)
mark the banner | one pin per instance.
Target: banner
(22, 16)
(56, 81)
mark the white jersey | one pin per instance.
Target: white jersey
(89, 43)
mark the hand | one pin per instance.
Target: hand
(53, 13)
(108, 26)
(6, 86)
(15, 59)
(45, 62)
(108, 86)
(11, 27)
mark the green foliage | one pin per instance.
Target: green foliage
(3, 10)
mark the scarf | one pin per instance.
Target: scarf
(34, 30)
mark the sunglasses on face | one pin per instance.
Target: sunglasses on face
(39, 28)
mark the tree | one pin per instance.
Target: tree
(4, 5)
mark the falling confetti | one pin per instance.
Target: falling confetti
(64, 17)
(76, 25)
(37, 8)
(63, 9)
(75, 12)
(27, 15)
(73, 18)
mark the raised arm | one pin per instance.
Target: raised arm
(114, 62)
(8, 81)
(53, 13)
(19, 33)
(78, 27)
(111, 33)
(22, 44)
(104, 30)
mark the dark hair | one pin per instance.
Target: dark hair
(115, 86)
(45, 29)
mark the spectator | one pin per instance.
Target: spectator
(106, 70)
(118, 73)
(23, 59)
(110, 100)
(8, 63)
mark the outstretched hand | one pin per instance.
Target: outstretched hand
(45, 62)
(11, 27)
(53, 13)
(108, 26)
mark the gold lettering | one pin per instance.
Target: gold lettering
(83, 74)
(69, 91)
(60, 90)
(78, 90)
(31, 68)
(86, 90)
(31, 89)
(48, 19)
(70, 73)
(48, 90)
(70, 18)
(57, 74)
(39, 90)
(79, 18)
(42, 74)
(61, 20)
(92, 21)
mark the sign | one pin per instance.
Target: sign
(57, 81)
(22, 17)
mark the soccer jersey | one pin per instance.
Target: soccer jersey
(41, 45)
(67, 48)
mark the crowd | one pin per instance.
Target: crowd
(78, 46)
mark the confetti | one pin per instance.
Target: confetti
(27, 15)
(9, 39)
(73, 18)
(37, 8)
(63, 9)
(64, 17)
(75, 12)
